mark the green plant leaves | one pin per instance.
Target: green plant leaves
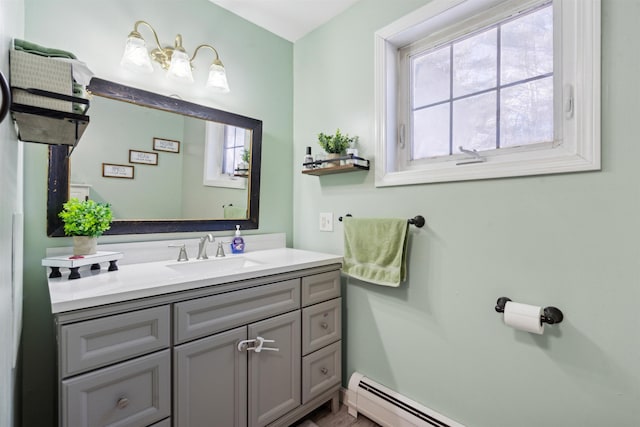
(85, 218)
(337, 143)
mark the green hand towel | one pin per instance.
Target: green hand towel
(36, 49)
(375, 250)
(234, 212)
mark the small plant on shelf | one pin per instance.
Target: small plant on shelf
(335, 144)
(246, 156)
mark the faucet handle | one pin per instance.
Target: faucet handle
(182, 256)
(220, 252)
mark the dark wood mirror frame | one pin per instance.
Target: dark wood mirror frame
(58, 181)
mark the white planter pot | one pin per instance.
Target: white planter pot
(84, 245)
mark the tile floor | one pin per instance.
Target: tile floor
(322, 417)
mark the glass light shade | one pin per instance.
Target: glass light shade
(180, 67)
(135, 56)
(218, 78)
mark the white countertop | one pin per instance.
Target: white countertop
(148, 279)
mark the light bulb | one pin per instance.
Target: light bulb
(218, 77)
(135, 56)
(180, 67)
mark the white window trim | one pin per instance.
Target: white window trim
(213, 148)
(576, 149)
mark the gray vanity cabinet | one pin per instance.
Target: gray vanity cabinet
(256, 353)
(214, 375)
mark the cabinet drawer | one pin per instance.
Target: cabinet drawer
(103, 341)
(133, 393)
(164, 423)
(321, 371)
(206, 316)
(321, 325)
(320, 287)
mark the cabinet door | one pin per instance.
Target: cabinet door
(210, 381)
(274, 376)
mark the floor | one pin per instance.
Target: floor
(322, 417)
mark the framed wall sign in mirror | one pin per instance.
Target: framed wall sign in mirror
(175, 154)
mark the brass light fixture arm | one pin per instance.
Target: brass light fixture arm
(215, 61)
(160, 54)
(137, 33)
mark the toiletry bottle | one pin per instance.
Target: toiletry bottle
(308, 158)
(237, 243)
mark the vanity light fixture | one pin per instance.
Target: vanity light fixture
(173, 59)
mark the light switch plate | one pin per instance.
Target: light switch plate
(326, 221)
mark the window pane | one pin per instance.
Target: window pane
(431, 132)
(527, 46)
(475, 63)
(526, 112)
(474, 122)
(431, 77)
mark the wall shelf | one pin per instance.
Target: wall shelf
(46, 126)
(318, 168)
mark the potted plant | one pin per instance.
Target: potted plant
(243, 167)
(246, 156)
(85, 221)
(335, 145)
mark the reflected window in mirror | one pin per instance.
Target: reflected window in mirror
(236, 141)
(224, 145)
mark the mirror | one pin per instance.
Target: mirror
(170, 164)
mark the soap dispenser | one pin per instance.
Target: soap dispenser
(237, 243)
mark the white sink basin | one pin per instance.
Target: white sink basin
(214, 266)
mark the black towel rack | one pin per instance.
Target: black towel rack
(417, 220)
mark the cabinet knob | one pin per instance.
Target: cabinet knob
(324, 325)
(122, 403)
(324, 371)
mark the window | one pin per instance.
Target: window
(487, 88)
(235, 139)
(224, 146)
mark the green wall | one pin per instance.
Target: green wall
(565, 240)
(259, 67)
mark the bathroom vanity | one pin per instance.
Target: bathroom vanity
(246, 340)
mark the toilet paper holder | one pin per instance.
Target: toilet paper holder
(550, 315)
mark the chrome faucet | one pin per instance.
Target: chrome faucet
(202, 246)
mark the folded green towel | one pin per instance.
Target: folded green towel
(375, 250)
(36, 49)
(234, 212)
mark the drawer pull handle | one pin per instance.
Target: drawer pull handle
(122, 403)
(324, 325)
(324, 371)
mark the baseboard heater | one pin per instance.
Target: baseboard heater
(388, 408)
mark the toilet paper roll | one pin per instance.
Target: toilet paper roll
(524, 317)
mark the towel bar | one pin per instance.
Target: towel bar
(417, 220)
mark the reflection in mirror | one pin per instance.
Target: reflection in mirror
(189, 168)
(224, 149)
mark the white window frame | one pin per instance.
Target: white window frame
(213, 152)
(576, 145)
